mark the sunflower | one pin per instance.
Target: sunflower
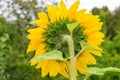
(48, 36)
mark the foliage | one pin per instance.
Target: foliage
(12, 54)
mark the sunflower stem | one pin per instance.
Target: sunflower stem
(72, 58)
(87, 76)
(81, 51)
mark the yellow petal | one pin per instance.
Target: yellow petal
(95, 38)
(89, 24)
(51, 14)
(87, 20)
(42, 22)
(80, 12)
(63, 68)
(33, 45)
(35, 32)
(63, 9)
(98, 35)
(40, 64)
(84, 59)
(97, 53)
(36, 55)
(40, 50)
(62, 5)
(43, 17)
(72, 10)
(54, 68)
(45, 68)
(94, 43)
(96, 27)
(56, 12)
(81, 66)
(89, 57)
(37, 21)
(33, 63)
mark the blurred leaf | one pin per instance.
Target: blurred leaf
(99, 71)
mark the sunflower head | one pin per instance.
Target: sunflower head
(51, 34)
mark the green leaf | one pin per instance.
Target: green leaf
(52, 55)
(86, 46)
(72, 26)
(99, 71)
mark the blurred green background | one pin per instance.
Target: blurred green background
(14, 62)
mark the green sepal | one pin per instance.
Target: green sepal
(52, 55)
(72, 26)
(99, 71)
(86, 46)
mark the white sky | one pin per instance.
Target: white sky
(90, 4)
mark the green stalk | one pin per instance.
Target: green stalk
(81, 51)
(87, 76)
(72, 59)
